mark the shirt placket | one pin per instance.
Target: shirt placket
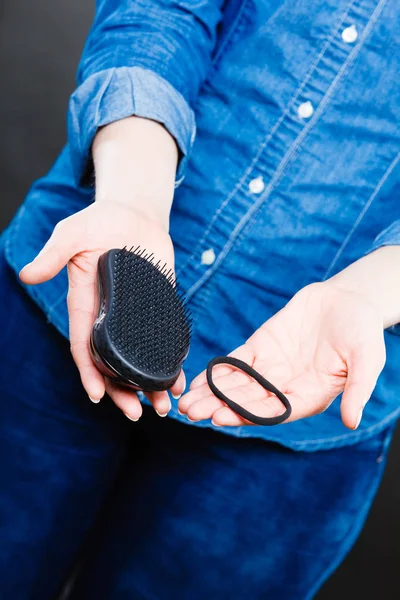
(300, 115)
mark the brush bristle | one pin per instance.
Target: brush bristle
(149, 322)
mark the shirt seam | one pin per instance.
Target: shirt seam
(235, 27)
(362, 214)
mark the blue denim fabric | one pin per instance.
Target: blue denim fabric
(292, 176)
(156, 509)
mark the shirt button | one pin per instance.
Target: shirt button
(305, 110)
(350, 34)
(208, 257)
(256, 186)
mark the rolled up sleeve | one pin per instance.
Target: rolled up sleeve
(145, 58)
(389, 237)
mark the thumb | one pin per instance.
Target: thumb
(363, 373)
(63, 244)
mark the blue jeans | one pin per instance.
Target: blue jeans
(156, 509)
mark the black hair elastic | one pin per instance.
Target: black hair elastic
(242, 412)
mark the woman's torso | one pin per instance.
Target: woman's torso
(292, 177)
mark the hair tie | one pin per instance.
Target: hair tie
(246, 414)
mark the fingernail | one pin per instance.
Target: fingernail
(131, 418)
(161, 414)
(180, 412)
(27, 265)
(94, 400)
(164, 414)
(215, 424)
(359, 419)
(192, 420)
(184, 387)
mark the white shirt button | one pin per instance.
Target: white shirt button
(256, 186)
(305, 110)
(208, 257)
(350, 34)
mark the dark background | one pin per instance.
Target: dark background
(40, 45)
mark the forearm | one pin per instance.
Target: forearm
(135, 163)
(146, 59)
(376, 277)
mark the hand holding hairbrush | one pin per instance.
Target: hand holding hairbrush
(141, 335)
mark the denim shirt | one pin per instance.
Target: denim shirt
(292, 176)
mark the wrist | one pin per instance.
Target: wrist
(376, 279)
(133, 213)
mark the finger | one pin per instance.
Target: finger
(92, 380)
(244, 353)
(225, 417)
(63, 244)
(225, 382)
(267, 408)
(82, 307)
(251, 396)
(125, 399)
(228, 380)
(191, 397)
(179, 386)
(160, 401)
(204, 408)
(363, 372)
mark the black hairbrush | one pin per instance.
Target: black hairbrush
(142, 333)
